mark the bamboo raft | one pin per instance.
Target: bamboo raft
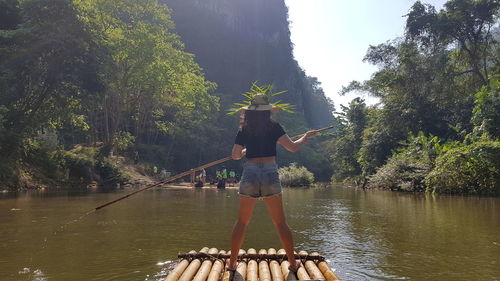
(264, 265)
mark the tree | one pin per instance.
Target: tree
(152, 85)
(344, 148)
(47, 66)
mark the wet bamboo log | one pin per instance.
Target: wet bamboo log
(264, 273)
(252, 267)
(241, 269)
(216, 269)
(284, 268)
(275, 268)
(327, 272)
(301, 272)
(313, 270)
(193, 267)
(175, 273)
(205, 267)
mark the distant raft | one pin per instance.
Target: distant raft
(264, 265)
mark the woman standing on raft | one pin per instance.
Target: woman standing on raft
(257, 139)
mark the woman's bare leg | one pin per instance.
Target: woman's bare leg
(244, 216)
(274, 206)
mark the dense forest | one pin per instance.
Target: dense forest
(85, 81)
(437, 126)
(84, 84)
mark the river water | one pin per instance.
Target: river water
(365, 235)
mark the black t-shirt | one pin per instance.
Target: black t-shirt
(260, 146)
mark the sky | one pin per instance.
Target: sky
(331, 38)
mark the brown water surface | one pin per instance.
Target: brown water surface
(366, 235)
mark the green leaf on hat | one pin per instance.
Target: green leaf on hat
(255, 89)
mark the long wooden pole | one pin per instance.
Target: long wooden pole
(183, 174)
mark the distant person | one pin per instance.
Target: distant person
(224, 176)
(136, 157)
(257, 140)
(203, 176)
(192, 177)
(163, 174)
(155, 170)
(232, 177)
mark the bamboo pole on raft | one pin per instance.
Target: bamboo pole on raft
(205, 267)
(191, 270)
(284, 268)
(217, 268)
(183, 174)
(275, 267)
(264, 272)
(327, 271)
(252, 267)
(313, 270)
(301, 271)
(175, 273)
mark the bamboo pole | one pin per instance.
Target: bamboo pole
(252, 268)
(241, 269)
(284, 268)
(313, 270)
(205, 267)
(327, 271)
(217, 268)
(183, 174)
(264, 273)
(192, 268)
(275, 267)
(175, 273)
(301, 272)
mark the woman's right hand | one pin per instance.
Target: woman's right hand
(311, 134)
(308, 135)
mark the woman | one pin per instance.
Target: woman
(257, 140)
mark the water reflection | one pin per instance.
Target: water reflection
(367, 235)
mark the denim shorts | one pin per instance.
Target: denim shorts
(260, 180)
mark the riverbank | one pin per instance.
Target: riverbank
(132, 176)
(80, 167)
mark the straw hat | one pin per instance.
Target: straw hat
(260, 102)
(257, 99)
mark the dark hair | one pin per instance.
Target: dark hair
(257, 123)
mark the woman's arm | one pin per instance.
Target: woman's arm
(293, 146)
(238, 152)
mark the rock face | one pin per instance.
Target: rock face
(240, 41)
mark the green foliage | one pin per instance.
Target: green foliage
(426, 83)
(472, 169)
(46, 67)
(123, 140)
(115, 73)
(110, 172)
(295, 175)
(344, 147)
(486, 113)
(152, 84)
(401, 174)
(408, 167)
(80, 161)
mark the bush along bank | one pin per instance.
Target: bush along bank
(53, 167)
(449, 168)
(295, 175)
